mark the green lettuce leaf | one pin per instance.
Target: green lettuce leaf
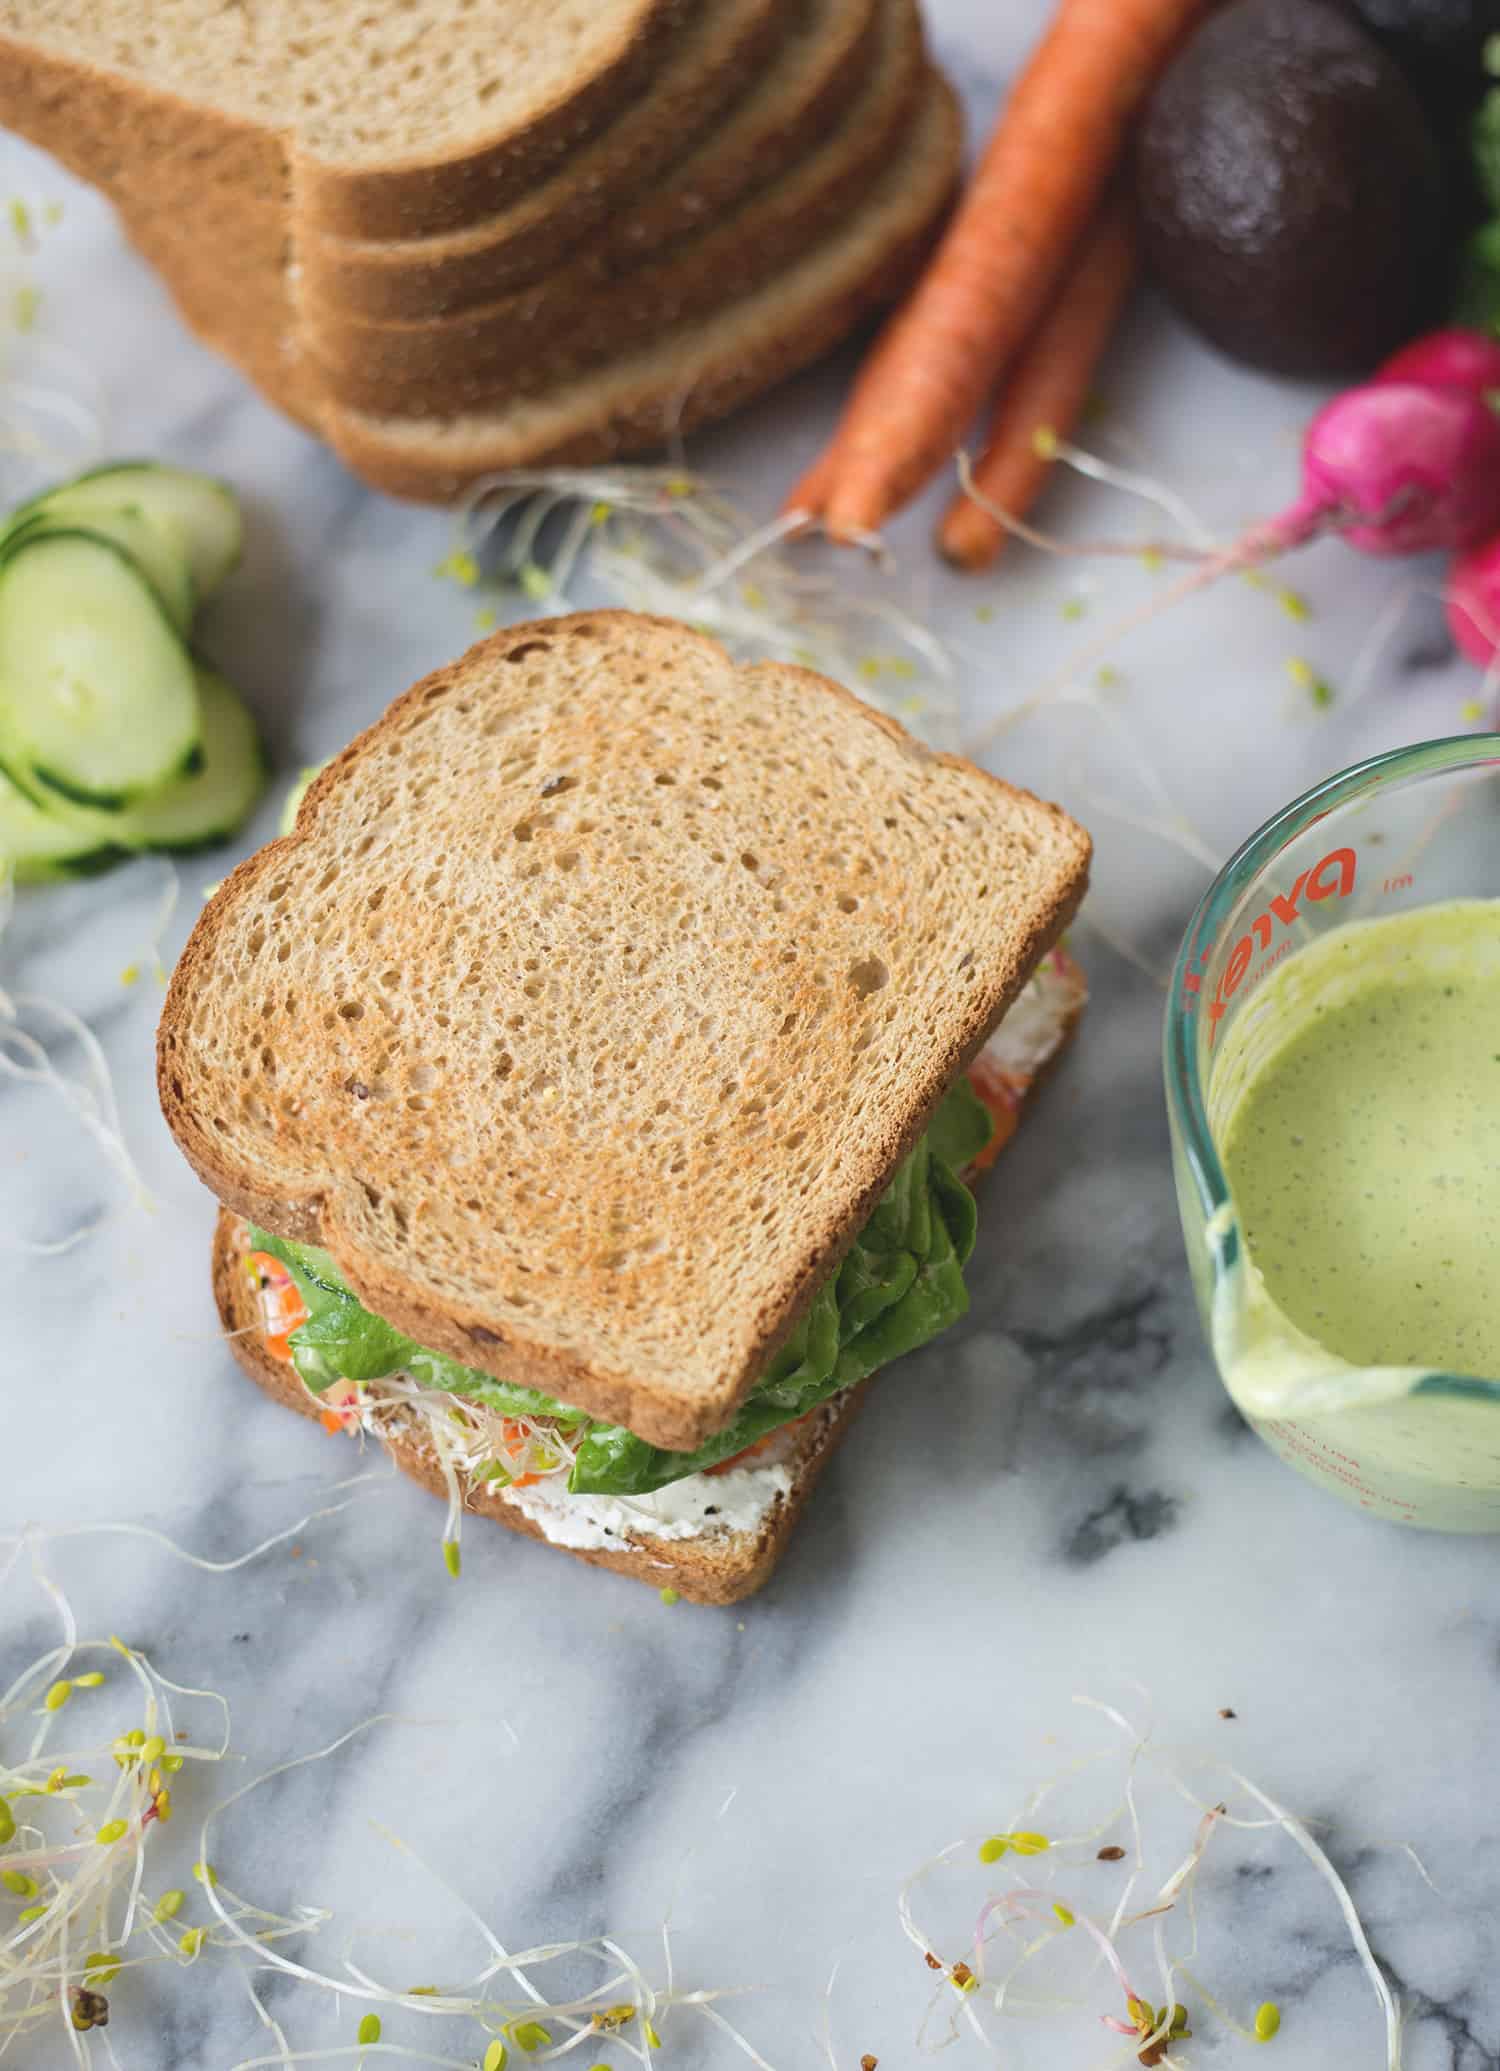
(901, 1283)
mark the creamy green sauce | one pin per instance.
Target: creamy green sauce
(1356, 1104)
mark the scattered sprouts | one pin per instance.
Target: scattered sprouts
(32, 1027)
(661, 539)
(1082, 1909)
(101, 1752)
(1079, 1924)
(52, 402)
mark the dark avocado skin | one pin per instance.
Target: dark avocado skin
(1438, 45)
(1290, 191)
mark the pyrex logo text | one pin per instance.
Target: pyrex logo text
(1333, 878)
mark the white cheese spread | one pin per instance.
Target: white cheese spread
(699, 1504)
(1033, 1027)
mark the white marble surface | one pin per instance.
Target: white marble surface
(1057, 1500)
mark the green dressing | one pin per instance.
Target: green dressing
(1356, 1103)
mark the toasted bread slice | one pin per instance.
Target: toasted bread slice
(721, 1564)
(700, 371)
(585, 311)
(596, 996)
(794, 62)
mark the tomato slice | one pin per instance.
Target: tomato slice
(282, 1309)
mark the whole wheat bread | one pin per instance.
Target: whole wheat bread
(720, 1567)
(715, 151)
(701, 371)
(239, 304)
(594, 999)
(369, 121)
(580, 315)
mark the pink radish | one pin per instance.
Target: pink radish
(1448, 359)
(1473, 603)
(1393, 468)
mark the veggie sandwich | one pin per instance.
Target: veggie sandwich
(592, 1077)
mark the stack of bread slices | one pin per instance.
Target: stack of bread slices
(455, 236)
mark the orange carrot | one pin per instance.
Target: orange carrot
(1037, 185)
(282, 1307)
(1044, 391)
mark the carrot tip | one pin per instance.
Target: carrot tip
(969, 539)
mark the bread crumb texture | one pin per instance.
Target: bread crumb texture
(595, 997)
(354, 83)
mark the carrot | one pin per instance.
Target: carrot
(1036, 187)
(1044, 392)
(282, 1308)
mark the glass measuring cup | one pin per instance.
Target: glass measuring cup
(1401, 831)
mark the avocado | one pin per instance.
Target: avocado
(1290, 191)
(1439, 47)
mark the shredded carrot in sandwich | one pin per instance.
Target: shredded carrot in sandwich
(513, 1445)
(282, 1308)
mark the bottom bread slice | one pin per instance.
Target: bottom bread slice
(714, 1567)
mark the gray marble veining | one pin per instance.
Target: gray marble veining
(1056, 1499)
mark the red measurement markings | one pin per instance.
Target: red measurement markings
(1332, 878)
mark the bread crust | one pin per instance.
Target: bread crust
(717, 64)
(213, 200)
(98, 120)
(666, 389)
(588, 310)
(718, 1568)
(107, 127)
(420, 194)
(483, 1331)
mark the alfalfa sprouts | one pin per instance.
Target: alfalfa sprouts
(96, 1742)
(1133, 1970)
(26, 1020)
(53, 414)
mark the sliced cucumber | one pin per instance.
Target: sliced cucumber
(36, 846)
(214, 803)
(164, 565)
(191, 813)
(98, 698)
(197, 514)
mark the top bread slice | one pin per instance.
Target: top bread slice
(594, 999)
(728, 111)
(386, 121)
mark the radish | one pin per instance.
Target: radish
(1472, 601)
(1448, 359)
(1393, 468)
